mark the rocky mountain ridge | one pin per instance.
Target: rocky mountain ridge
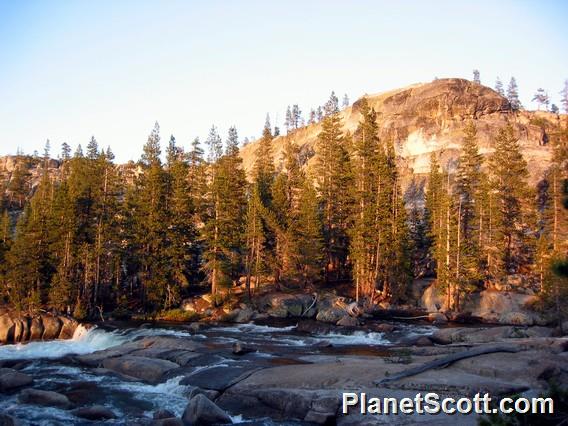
(430, 117)
(421, 119)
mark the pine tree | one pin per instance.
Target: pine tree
(308, 234)
(5, 243)
(92, 149)
(380, 245)
(181, 233)
(296, 117)
(29, 259)
(499, 87)
(332, 105)
(335, 185)
(224, 227)
(345, 102)
(312, 119)
(468, 192)
(65, 151)
(363, 237)
(513, 95)
(541, 98)
(511, 208)
(289, 121)
(553, 229)
(260, 238)
(476, 78)
(147, 200)
(215, 145)
(564, 97)
(19, 185)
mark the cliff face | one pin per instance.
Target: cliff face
(430, 117)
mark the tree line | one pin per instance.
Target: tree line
(102, 237)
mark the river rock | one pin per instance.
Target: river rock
(331, 315)
(11, 379)
(6, 328)
(36, 328)
(282, 305)
(437, 318)
(148, 369)
(348, 321)
(384, 328)
(202, 411)
(423, 341)
(51, 327)
(95, 412)
(45, 398)
(68, 328)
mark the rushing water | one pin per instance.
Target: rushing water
(49, 364)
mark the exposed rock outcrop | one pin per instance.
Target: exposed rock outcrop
(429, 117)
(19, 328)
(202, 411)
(490, 306)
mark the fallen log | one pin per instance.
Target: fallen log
(445, 361)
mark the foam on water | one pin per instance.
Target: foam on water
(84, 341)
(357, 338)
(254, 328)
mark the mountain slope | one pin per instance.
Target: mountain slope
(430, 117)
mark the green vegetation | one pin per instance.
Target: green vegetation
(102, 238)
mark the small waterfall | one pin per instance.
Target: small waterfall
(85, 340)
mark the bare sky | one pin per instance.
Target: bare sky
(72, 69)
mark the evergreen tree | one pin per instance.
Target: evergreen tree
(224, 227)
(511, 209)
(29, 260)
(65, 151)
(335, 186)
(476, 78)
(499, 87)
(147, 200)
(289, 121)
(379, 248)
(260, 237)
(513, 95)
(308, 235)
(19, 185)
(181, 233)
(541, 98)
(214, 144)
(332, 105)
(564, 97)
(92, 149)
(5, 243)
(312, 119)
(468, 192)
(345, 102)
(296, 117)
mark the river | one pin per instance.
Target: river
(53, 367)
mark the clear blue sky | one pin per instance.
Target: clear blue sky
(72, 69)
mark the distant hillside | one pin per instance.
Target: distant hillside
(430, 117)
